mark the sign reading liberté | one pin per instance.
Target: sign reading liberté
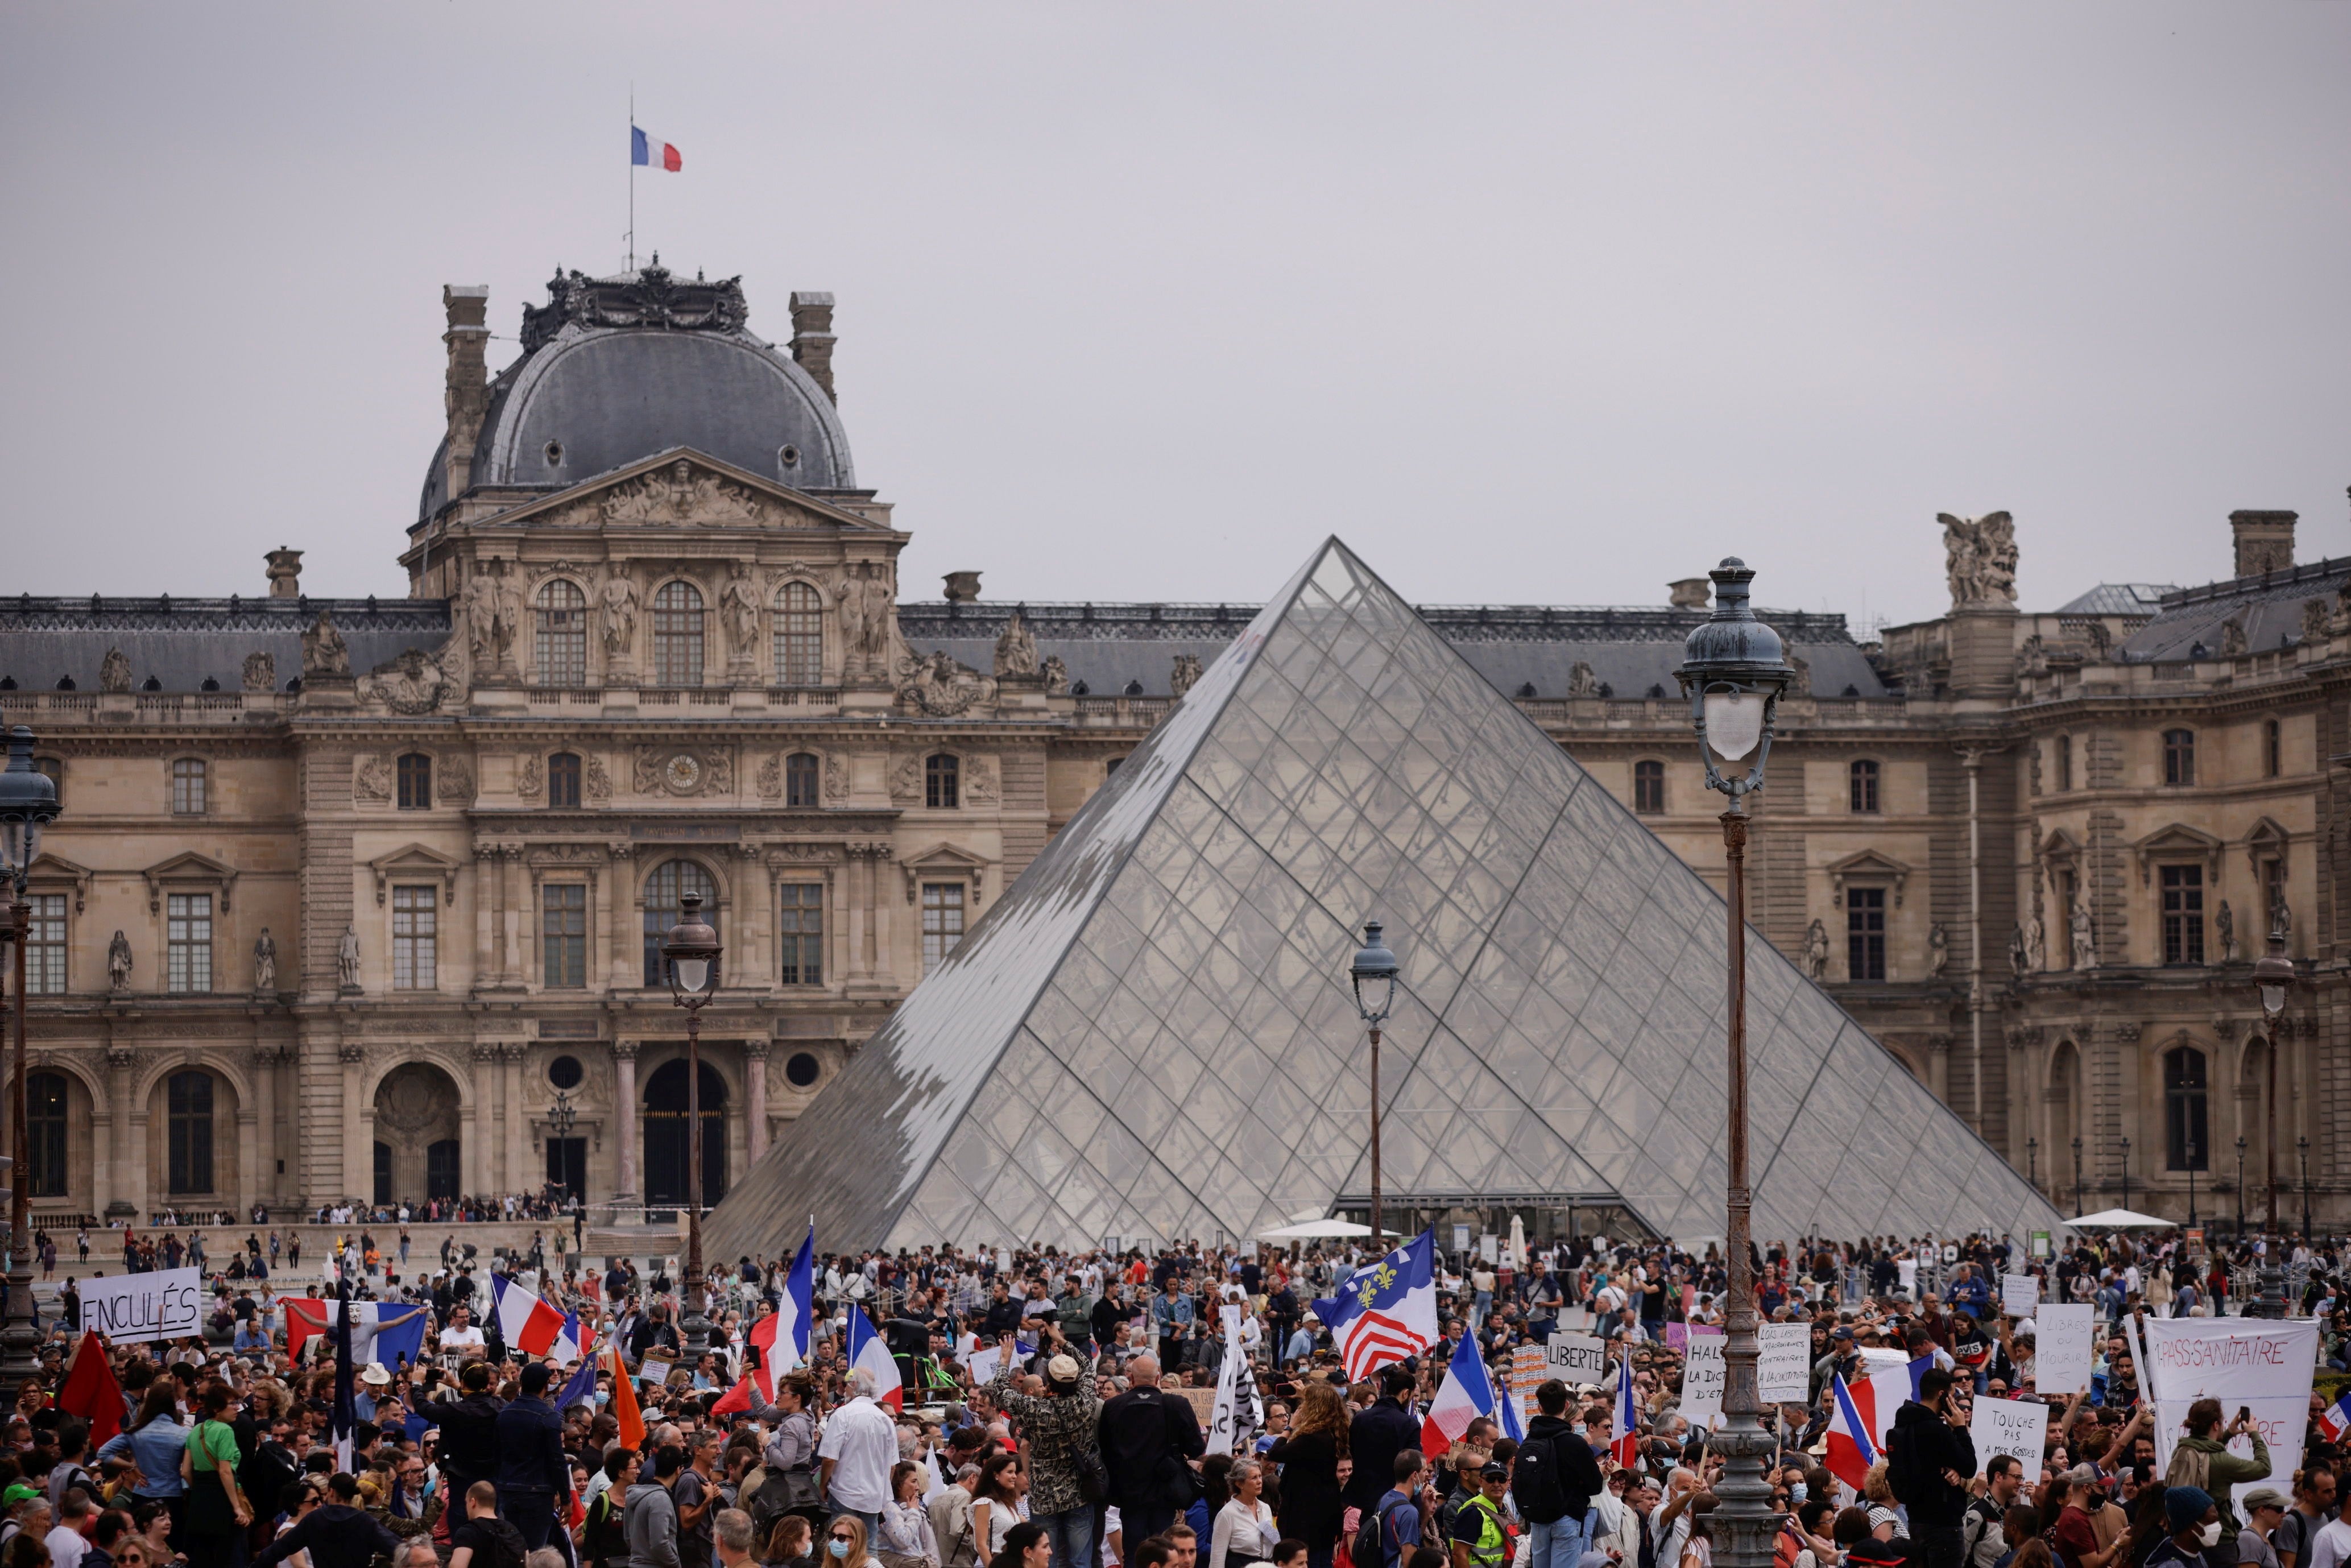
(167, 1303)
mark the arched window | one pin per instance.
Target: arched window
(942, 782)
(415, 778)
(441, 1168)
(189, 1154)
(188, 787)
(2188, 1146)
(669, 882)
(2272, 750)
(563, 778)
(1862, 786)
(801, 774)
(1649, 786)
(800, 636)
(562, 634)
(667, 1131)
(2179, 757)
(677, 635)
(44, 1132)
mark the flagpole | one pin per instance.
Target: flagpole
(633, 176)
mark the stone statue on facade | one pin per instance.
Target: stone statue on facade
(2036, 943)
(1582, 681)
(880, 620)
(1816, 952)
(347, 961)
(2225, 924)
(118, 963)
(2019, 960)
(2280, 918)
(409, 683)
(1056, 673)
(507, 630)
(114, 672)
(616, 609)
(2083, 939)
(1185, 674)
(1939, 949)
(2314, 619)
(1016, 649)
(264, 962)
(260, 672)
(2232, 637)
(739, 604)
(1979, 557)
(941, 688)
(324, 655)
(853, 622)
(479, 603)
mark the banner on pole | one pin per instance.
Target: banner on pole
(167, 1303)
(1783, 1372)
(2062, 1354)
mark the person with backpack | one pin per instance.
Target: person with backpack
(650, 1519)
(1930, 1458)
(1478, 1537)
(1388, 1530)
(602, 1542)
(1557, 1477)
(1981, 1539)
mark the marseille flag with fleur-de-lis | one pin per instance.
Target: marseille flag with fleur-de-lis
(1386, 1311)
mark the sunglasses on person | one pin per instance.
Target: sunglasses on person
(843, 1536)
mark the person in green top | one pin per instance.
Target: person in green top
(2202, 1458)
(1479, 1538)
(216, 1508)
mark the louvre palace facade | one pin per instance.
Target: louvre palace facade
(357, 899)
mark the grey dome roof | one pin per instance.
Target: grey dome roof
(589, 396)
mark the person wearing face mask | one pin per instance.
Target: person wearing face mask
(2195, 1533)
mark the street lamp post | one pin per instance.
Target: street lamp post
(28, 804)
(1374, 974)
(1733, 672)
(2077, 1175)
(2191, 1184)
(690, 959)
(2032, 1163)
(2302, 1153)
(2240, 1187)
(2273, 977)
(2126, 1172)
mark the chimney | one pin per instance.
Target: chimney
(1690, 593)
(2264, 541)
(812, 337)
(468, 394)
(962, 587)
(285, 572)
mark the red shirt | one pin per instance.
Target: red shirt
(2074, 1535)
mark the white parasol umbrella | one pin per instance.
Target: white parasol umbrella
(1516, 1256)
(2120, 1219)
(1316, 1230)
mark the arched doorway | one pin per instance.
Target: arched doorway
(667, 1135)
(416, 1134)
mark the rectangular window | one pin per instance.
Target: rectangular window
(942, 782)
(563, 933)
(2065, 762)
(415, 775)
(415, 940)
(2179, 757)
(1863, 786)
(2183, 913)
(563, 780)
(942, 922)
(187, 787)
(1865, 933)
(799, 918)
(188, 943)
(45, 946)
(1648, 787)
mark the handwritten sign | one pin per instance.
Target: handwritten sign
(1528, 1370)
(167, 1303)
(1783, 1372)
(2264, 1367)
(2019, 1294)
(1574, 1358)
(1702, 1377)
(2060, 1356)
(2015, 1426)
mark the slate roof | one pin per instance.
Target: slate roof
(181, 643)
(2270, 607)
(2119, 598)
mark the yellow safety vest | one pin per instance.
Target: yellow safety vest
(1493, 1548)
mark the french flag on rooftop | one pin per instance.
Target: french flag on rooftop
(530, 1324)
(1387, 1311)
(652, 153)
(1469, 1393)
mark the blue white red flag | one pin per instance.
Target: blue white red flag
(530, 1324)
(1387, 1311)
(2335, 1419)
(1467, 1393)
(1624, 1446)
(867, 1349)
(653, 153)
(1852, 1428)
(783, 1335)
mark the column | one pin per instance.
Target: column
(1938, 1066)
(884, 887)
(520, 1174)
(852, 913)
(486, 871)
(120, 1183)
(359, 1160)
(510, 960)
(265, 1116)
(754, 1100)
(751, 947)
(621, 921)
(624, 1117)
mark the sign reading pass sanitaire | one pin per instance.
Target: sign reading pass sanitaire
(165, 1304)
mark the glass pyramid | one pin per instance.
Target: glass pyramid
(1152, 1035)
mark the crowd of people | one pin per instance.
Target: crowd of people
(1030, 1408)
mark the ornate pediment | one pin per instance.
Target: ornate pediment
(188, 867)
(415, 863)
(2265, 839)
(1868, 867)
(54, 868)
(942, 861)
(2176, 842)
(682, 488)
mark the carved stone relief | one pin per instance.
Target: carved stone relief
(371, 781)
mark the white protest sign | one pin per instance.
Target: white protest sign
(2010, 1427)
(2061, 1351)
(2019, 1294)
(1783, 1372)
(1702, 1374)
(982, 1365)
(167, 1303)
(1574, 1358)
(2253, 1365)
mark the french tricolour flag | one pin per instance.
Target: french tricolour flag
(1387, 1311)
(1853, 1431)
(531, 1324)
(867, 1350)
(1624, 1447)
(1469, 1393)
(653, 153)
(2335, 1419)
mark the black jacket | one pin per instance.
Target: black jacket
(531, 1448)
(335, 1537)
(1575, 1470)
(1377, 1435)
(469, 1437)
(1146, 1436)
(1919, 1448)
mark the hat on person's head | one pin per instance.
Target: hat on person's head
(2184, 1506)
(1843, 1335)
(375, 1377)
(1063, 1371)
(2264, 1496)
(18, 1492)
(1494, 1471)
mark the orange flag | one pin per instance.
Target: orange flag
(624, 1403)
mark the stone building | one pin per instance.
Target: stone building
(356, 899)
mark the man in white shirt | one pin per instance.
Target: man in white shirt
(2332, 1547)
(859, 1447)
(461, 1336)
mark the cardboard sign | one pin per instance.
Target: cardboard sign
(167, 1303)
(2016, 1427)
(1702, 1378)
(2019, 1294)
(1203, 1404)
(1783, 1372)
(2061, 1351)
(1574, 1358)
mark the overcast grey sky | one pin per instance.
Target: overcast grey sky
(1550, 303)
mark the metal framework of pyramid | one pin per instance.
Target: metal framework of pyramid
(1151, 1036)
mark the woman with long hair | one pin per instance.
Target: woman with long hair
(1314, 1465)
(1026, 1546)
(791, 1543)
(905, 1539)
(995, 1506)
(154, 1443)
(844, 1542)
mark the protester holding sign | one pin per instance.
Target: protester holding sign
(2203, 1458)
(1930, 1458)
